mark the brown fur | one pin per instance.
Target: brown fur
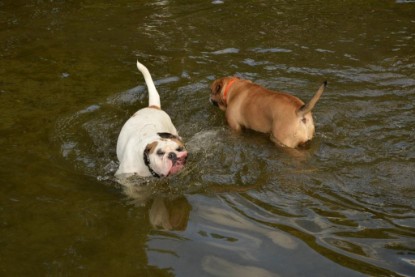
(154, 107)
(248, 105)
(172, 137)
(151, 147)
(179, 142)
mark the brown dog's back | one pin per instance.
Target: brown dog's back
(248, 105)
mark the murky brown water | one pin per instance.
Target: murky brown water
(242, 207)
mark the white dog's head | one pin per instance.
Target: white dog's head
(165, 156)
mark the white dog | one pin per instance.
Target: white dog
(148, 143)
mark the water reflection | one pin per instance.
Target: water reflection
(263, 201)
(170, 214)
(167, 209)
(218, 266)
(230, 241)
(241, 205)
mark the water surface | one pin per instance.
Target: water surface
(242, 207)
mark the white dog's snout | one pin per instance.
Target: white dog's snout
(172, 156)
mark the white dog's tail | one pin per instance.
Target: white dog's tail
(310, 105)
(153, 95)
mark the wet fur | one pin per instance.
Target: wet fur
(248, 105)
(148, 143)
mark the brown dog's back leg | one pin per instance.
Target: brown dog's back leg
(298, 154)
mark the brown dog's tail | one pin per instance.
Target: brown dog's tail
(305, 109)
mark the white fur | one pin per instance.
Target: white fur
(153, 95)
(140, 130)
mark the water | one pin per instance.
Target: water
(242, 207)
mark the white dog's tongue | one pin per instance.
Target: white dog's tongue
(175, 169)
(178, 166)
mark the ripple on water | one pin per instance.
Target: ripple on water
(349, 197)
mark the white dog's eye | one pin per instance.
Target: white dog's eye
(160, 152)
(180, 149)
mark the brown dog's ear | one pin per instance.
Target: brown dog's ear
(218, 88)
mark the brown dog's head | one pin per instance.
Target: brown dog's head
(218, 91)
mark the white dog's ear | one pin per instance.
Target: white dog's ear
(150, 148)
(168, 136)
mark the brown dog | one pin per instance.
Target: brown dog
(248, 105)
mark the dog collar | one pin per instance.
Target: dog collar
(147, 163)
(225, 92)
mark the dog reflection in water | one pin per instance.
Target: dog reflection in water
(166, 212)
(170, 214)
